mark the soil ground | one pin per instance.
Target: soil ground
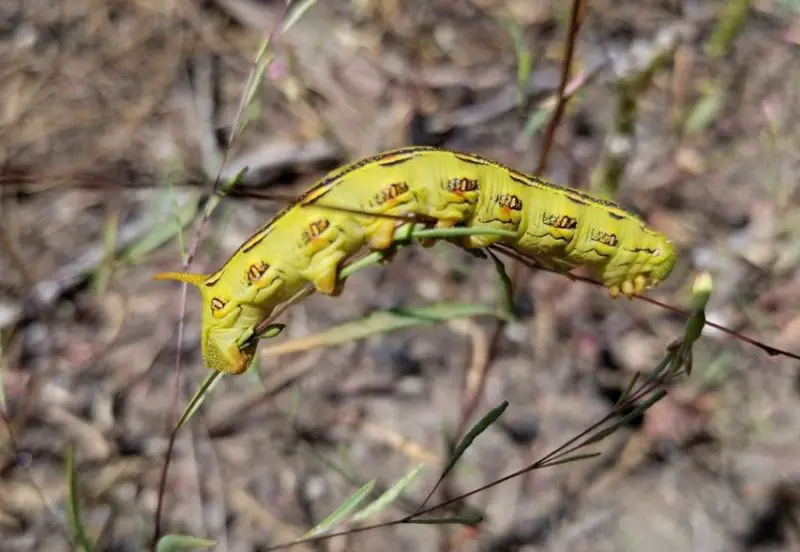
(114, 117)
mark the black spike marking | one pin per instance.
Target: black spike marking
(576, 200)
(214, 278)
(258, 236)
(390, 162)
(519, 179)
(473, 159)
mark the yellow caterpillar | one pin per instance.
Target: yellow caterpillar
(566, 228)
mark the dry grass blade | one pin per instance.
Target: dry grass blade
(381, 322)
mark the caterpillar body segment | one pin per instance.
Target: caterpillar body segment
(308, 241)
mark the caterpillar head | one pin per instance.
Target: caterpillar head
(222, 325)
(662, 260)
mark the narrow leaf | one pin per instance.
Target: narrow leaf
(177, 543)
(342, 511)
(389, 496)
(263, 61)
(103, 272)
(628, 390)
(506, 286)
(482, 425)
(75, 518)
(537, 120)
(197, 399)
(298, 12)
(705, 111)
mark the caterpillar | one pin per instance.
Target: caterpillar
(303, 244)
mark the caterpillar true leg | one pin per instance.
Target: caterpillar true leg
(323, 273)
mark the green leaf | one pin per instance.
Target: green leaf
(177, 543)
(728, 27)
(342, 511)
(74, 509)
(389, 496)
(705, 111)
(383, 321)
(524, 57)
(103, 272)
(537, 121)
(482, 425)
(263, 61)
(197, 399)
(231, 183)
(628, 390)
(717, 371)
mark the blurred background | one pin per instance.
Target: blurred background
(116, 117)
